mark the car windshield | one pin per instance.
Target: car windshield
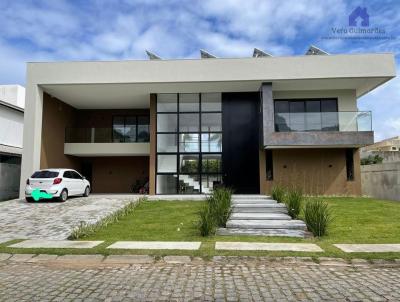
(44, 174)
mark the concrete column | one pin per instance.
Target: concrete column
(32, 133)
(267, 105)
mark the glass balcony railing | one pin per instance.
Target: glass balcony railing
(107, 135)
(324, 121)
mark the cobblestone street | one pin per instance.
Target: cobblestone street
(229, 280)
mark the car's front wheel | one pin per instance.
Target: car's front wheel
(87, 192)
(63, 196)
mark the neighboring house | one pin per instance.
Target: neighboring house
(387, 149)
(389, 144)
(189, 125)
(12, 102)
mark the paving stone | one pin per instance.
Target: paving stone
(368, 248)
(44, 243)
(236, 279)
(21, 257)
(53, 220)
(359, 262)
(4, 256)
(128, 259)
(156, 245)
(383, 262)
(261, 246)
(177, 259)
(333, 261)
(80, 259)
(44, 258)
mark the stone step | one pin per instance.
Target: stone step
(259, 208)
(282, 210)
(259, 216)
(266, 224)
(262, 232)
(253, 201)
(251, 197)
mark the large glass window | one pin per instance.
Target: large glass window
(189, 102)
(211, 102)
(189, 122)
(211, 142)
(166, 184)
(189, 163)
(127, 129)
(306, 115)
(167, 142)
(143, 129)
(166, 163)
(167, 102)
(167, 122)
(211, 122)
(189, 143)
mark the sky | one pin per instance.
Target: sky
(58, 30)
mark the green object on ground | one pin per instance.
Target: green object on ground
(37, 194)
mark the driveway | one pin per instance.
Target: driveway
(55, 220)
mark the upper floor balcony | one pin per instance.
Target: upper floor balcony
(321, 129)
(112, 141)
(349, 121)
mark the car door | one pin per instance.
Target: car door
(78, 182)
(69, 182)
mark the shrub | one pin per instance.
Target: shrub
(293, 201)
(278, 193)
(207, 221)
(216, 211)
(317, 217)
(220, 202)
(372, 159)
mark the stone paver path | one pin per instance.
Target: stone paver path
(54, 220)
(156, 245)
(368, 248)
(56, 244)
(223, 280)
(263, 246)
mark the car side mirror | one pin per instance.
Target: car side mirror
(83, 177)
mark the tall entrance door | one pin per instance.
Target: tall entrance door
(240, 142)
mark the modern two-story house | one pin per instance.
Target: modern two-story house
(190, 125)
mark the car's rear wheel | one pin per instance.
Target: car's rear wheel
(87, 192)
(63, 196)
(29, 199)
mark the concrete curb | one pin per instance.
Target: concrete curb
(97, 259)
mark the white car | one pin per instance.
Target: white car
(59, 183)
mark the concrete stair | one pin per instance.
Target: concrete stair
(259, 215)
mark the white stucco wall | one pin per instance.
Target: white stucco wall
(13, 94)
(11, 127)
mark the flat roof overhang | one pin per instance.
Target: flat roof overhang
(127, 84)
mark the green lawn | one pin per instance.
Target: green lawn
(356, 220)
